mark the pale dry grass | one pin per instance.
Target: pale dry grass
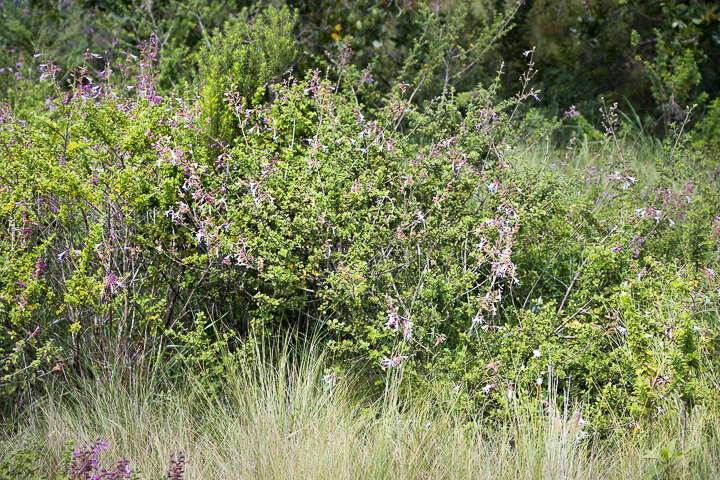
(283, 422)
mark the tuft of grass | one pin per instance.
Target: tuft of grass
(278, 419)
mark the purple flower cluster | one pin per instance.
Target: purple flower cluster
(571, 112)
(177, 467)
(85, 465)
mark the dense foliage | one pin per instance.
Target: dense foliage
(395, 205)
(653, 55)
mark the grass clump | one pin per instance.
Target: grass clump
(281, 419)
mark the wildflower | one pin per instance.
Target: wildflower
(539, 381)
(617, 249)
(485, 328)
(571, 112)
(493, 366)
(479, 318)
(392, 362)
(48, 70)
(536, 353)
(111, 283)
(407, 329)
(330, 379)
(88, 55)
(510, 393)
(393, 321)
(486, 389)
(366, 78)
(85, 464)
(628, 181)
(638, 243)
(658, 216)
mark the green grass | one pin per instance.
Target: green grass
(279, 420)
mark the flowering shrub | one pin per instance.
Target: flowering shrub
(411, 235)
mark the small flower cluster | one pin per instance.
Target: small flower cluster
(177, 467)
(85, 465)
(393, 362)
(571, 112)
(48, 69)
(396, 323)
(502, 268)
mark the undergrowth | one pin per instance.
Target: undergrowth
(281, 419)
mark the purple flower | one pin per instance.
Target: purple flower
(572, 112)
(177, 467)
(85, 464)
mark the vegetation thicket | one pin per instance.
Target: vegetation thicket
(486, 268)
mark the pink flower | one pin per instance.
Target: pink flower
(393, 361)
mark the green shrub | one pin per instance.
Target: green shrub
(243, 56)
(413, 237)
(22, 462)
(706, 137)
